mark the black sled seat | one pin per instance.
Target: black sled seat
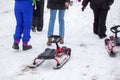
(47, 54)
(117, 41)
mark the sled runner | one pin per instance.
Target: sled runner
(113, 42)
(60, 55)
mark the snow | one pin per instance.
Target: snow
(89, 58)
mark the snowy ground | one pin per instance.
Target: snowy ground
(89, 59)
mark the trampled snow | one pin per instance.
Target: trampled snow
(89, 58)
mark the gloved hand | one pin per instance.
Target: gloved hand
(109, 4)
(83, 8)
(79, 0)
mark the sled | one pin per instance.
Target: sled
(61, 55)
(113, 42)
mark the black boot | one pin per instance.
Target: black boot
(40, 24)
(39, 29)
(15, 46)
(34, 24)
(102, 36)
(33, 29)
(26, 47)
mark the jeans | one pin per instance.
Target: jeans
(52, 22)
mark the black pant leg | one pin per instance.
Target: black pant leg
(102, 22)
(96, 19)
(35, 17)
(40, 6)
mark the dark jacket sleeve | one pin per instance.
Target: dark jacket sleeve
(110, 2)
(85, 2)
(67, 1)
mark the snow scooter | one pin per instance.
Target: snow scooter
(113, 42)
(60, 55)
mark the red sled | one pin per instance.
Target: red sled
(112, 43)
(61, 55)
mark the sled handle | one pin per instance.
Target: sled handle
(114, 29)
(56, 38)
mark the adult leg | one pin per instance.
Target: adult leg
(35, 17)
(51, 25)
(34, 23)
(61, 23)
(51, 22)
(102, 23)
(95, 24)
(40, 15)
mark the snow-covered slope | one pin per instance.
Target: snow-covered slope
(89, 59)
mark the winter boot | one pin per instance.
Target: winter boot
(33, 29)
(102, 36)
(49, 41)
(26, 47)
(16, 45)
(40, 24)
(34, 23)
(39, 29)
(61, 41)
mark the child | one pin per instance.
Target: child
(23, 13)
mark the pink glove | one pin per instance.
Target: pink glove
(79, 0)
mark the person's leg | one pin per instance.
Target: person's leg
(34, 23)
(95, 24)
(19, 25)
(51, 25)
(19, 19)
(102, 23)
(27, 15)
(51, 22)
(40, 15)
(36, 14)
(27, 20)
(61, 25)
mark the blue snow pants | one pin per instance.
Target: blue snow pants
(23, 11)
